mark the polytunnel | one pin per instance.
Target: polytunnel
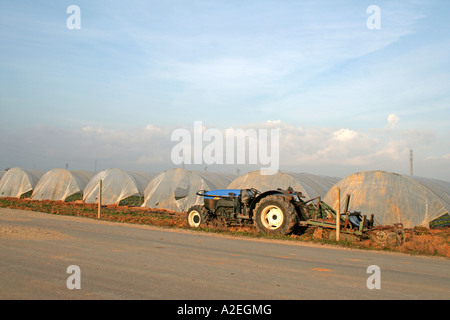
(1, 174)
(310, 185)
(59, 184)
(117, 185)
(176, 189)
(394, 198)
(16, 182)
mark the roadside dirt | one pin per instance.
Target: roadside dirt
(10, 228)
(18, 232)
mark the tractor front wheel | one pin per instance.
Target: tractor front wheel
(195, 216)
(275, 215)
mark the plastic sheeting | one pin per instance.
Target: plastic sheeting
(116, 186)
(16, 181)
(141, 179)
(393, 198)
(310, 185)
(58, 184)
(176, 189)
(1, 174)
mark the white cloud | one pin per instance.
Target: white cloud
(344, 135)
(444, 157)
(393, 120)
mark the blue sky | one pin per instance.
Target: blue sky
(144, 68)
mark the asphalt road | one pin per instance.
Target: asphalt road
(122, 261)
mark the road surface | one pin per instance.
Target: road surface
(123, 261)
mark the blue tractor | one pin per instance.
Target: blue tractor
(275, 212)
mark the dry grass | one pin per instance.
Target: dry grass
(430, 242)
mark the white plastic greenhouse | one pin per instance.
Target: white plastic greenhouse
(16, 182)
(310, 185)
(394, 198)
(59, 184)
(176, 189)
(117, 185)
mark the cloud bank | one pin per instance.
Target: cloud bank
(320, 150)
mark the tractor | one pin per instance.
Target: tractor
(281, 212)
(275, 211)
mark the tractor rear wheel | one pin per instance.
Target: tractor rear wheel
(275, 214)
(196, 216)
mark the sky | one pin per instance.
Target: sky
(344, 96)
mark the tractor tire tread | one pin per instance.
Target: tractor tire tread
(288, 209)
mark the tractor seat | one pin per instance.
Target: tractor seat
(245, 197)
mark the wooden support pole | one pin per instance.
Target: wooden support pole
(99, 198)
(338, 214)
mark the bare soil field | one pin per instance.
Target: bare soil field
(422, 241)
